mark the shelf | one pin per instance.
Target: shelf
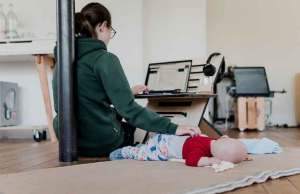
(24, 49)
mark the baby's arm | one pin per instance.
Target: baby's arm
(208, 161)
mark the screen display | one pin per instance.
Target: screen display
(169, 75)
(251, 81)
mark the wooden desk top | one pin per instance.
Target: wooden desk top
(156, 96)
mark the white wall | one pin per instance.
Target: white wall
(145, 33)
(35, 16)
(25, 74)
(38, 18)
(247, 32)
(174, 30)
(260, 33)
(127, 20)
(127, 45)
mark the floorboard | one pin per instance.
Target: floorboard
(26, 155)
(295, 180)
(280, 186)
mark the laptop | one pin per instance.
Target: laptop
(167, 79)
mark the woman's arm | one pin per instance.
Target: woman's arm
(109, 71)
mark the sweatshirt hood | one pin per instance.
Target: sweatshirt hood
(88, 45)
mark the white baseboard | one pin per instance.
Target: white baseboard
(20, 132)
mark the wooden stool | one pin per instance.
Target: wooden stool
(250, 113)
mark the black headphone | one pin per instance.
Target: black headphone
(209, 69)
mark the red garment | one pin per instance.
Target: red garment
(194, 148)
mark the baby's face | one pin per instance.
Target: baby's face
(229, 149)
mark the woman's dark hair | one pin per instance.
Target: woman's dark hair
(89, 17)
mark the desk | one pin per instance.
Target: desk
(42, 50)
(187, 109)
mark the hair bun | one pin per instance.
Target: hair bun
(83, 26)
(89, 17)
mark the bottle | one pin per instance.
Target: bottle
(12, 23)
(2, 23)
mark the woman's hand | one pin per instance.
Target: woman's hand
(139, 89)
(187, 130)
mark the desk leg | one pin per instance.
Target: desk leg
(208, 129)
(41, 62)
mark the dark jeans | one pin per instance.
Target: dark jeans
(128, 134)
(128, 139)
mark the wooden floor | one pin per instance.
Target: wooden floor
(20, 156)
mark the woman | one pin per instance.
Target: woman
(103, 91)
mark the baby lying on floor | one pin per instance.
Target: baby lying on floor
(197, 151)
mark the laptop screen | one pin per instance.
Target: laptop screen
(168, 75)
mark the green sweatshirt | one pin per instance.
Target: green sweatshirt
(103, 91)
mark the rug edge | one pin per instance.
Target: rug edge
(260, 177)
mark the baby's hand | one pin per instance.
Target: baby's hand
(205, 161)
(214, 160)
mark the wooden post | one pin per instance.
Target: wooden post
(260, 112)
(250, 113)
(241, 113)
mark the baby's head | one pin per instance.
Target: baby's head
(229, 149)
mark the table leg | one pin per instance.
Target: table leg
(41, 63)
(208, 129)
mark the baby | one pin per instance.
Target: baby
(197, 151)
